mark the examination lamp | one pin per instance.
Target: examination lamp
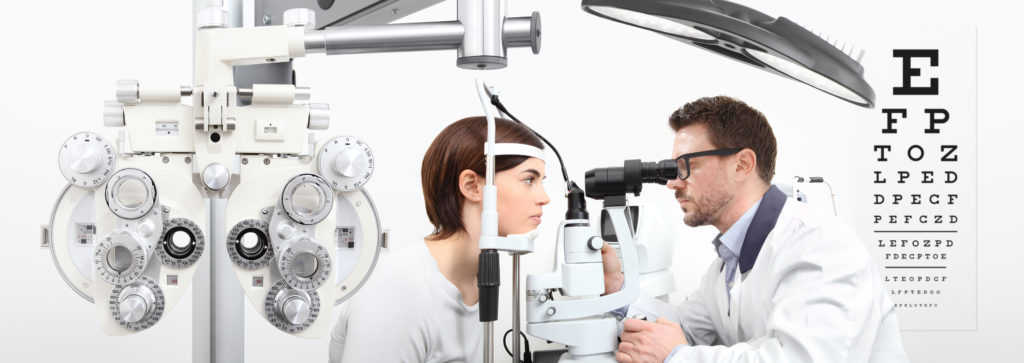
(777, 45)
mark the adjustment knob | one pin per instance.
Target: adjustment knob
(83, 159)
(216, 176)
(289, 309)
(113, 114)
(285, 231)
(300, 17)
(86, 160)
(346, 163)
(595, 243)
(212, 17)
(294, 308)
(127, 91)
(136, 303)
(350, 163)
(319, 116)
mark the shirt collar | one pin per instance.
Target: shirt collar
(733, 237)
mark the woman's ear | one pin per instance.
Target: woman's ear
(471, 185)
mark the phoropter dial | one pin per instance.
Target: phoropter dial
(86, 159)
(120, 258)
(346, 162)
(307, 199)
(289, 309)
(248, 244)
(304, 264)
(181, 243)
(137, 305)
(131, 193)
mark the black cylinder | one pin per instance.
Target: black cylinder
(659, 172)
(488, 279)
(577, 203)
(629, 178)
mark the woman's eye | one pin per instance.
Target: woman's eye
(528, 181)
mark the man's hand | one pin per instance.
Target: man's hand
(644, 341)
(612, 270)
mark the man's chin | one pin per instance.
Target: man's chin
(691, 221)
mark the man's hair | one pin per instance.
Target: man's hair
(458, 147)
(731, 124)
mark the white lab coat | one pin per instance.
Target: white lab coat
(813, 294)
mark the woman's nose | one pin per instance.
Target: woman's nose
(544, 199)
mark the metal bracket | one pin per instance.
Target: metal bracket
(334, 13)
(44, 237)
(384, 235)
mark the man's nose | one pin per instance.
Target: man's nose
(676, 184)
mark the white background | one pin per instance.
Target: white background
(601, 91)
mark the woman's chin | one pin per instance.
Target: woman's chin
(525, 230)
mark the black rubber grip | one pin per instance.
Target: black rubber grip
(488, 279)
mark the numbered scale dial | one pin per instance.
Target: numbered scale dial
(346, 162)
(291, 310)
(137, 305)
(120, 258)
(86, 159)
(181, 243)
(304, 264)
(249, 244)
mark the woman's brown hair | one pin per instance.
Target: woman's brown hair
(458, 147)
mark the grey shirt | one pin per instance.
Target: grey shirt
(407, 312)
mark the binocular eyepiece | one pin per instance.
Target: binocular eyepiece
(613, 181)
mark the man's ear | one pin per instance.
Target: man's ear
(471, 185)
(746, 164)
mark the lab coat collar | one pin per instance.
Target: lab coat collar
(733, 237)
(763, 224)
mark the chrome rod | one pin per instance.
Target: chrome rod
(385, 38)
(515, 308)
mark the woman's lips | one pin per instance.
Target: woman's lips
(535, 218)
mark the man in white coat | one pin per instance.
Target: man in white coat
(791, 285)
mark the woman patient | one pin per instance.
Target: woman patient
(420, 303)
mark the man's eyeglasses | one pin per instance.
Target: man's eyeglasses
(683, 161)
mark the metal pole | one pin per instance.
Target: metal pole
(227, 313)
(488, 341)
(201, 308)
(515, 308)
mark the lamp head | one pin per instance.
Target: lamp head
(776, 45)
